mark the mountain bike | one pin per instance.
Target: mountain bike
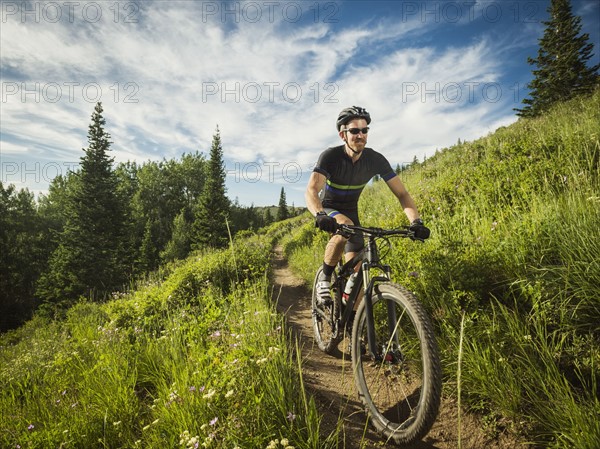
(394, 353)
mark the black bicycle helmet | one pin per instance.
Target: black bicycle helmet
(351, 113)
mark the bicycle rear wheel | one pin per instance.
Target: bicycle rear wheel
(400, 386)
(325, 318)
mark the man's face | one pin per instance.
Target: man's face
(356, 141)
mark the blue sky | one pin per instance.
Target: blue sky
(272, 75)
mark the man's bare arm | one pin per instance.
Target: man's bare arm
(408, 204)
(311, 195)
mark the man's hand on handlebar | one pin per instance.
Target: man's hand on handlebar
(325, 222)
(420, 231)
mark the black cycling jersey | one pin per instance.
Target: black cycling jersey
(346, 179)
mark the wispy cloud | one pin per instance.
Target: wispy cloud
(169, 72)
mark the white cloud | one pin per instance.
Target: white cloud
(168, 80)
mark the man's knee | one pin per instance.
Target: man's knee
(338, 239)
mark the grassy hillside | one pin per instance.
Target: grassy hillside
(198, 358)
(515, 251)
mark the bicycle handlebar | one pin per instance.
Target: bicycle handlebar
(348, 230)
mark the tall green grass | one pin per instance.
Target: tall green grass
(515, 249)
(200, 359)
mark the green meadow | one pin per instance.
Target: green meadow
(197, 356)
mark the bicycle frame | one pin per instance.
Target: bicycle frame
(369, 257)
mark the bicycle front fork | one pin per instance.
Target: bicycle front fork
(369, 283)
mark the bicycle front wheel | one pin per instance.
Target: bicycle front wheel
(401, 384)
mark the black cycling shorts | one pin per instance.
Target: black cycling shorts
(356, 241)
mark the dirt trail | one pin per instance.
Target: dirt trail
(329, 379)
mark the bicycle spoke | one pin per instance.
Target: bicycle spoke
(394, 385)
(393, 382)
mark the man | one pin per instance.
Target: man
(341, 173)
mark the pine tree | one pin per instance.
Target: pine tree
(212, 209)
(268, 217)
(23, 243)
(562, 71)
(148, 255)
(282, 211)
(91, 258)
(179, 245)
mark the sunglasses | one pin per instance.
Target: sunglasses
(355, 131)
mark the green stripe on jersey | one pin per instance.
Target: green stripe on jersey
(345, 187)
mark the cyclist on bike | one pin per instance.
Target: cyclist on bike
(341, 174)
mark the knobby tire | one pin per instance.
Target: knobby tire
(400, 386)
